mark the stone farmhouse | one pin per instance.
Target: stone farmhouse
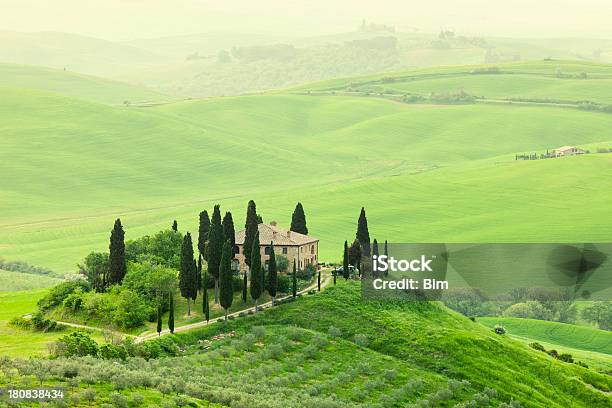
(567, 151)
(299, 248)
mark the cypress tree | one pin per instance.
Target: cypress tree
(171, 315)
(250, 230)
(256, 283)
(225, 277)
(203, 229)
(116, 258)
(215, 247)
(259, 219)
(229, 233)
(334, 279)
(298, 220)
(354, 253)
(205, 305)
(199, 283)
(272, 274)
(387, 254)
(244, 288)
(174, 226)
(188, 274)
(375, 247)
(159, 320)
(345, 262)
(294, 283)
(319, 281)
(363, 235)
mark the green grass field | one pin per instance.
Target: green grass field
(16, 281)
(404, 163)
(590, 345)
(75, 85)
(24, 343)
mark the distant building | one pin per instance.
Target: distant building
(299, 248)
(567, 151)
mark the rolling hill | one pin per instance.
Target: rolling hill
(404, 162)
(333, 349)
(74, 85)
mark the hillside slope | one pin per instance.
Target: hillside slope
(429, 337)
(404, 162)
(87, 88)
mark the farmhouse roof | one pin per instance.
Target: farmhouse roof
(278, 236)
(564, 148)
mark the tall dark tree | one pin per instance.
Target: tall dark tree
(345, 262)
(203, 229)
(256, 272)
(334, 278)
(259, 219)
(225, 277)
(375, 247)
(116, 258)
(244, 287)
(272, 273)
(188, 273)
(354, 253)
(205, 305)
(159, 320)
(298, 220)
(319, 281)
(229, 232)
(294, 281)
(363, 235)
(215, 247)
(251, 228)
(174, 226)
(387, 254)
(199, 283)
(171, 314)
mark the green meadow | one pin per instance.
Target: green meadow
(11, 281)
(75, 157)
(423, 172)
(590, 345)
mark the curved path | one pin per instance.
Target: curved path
(325, 280)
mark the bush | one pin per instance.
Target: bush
(119, 400)
(41, 323)
(499, 329)
(566, 357)
(112, 352)
(74, 301)
(21, 323)
(361, 340)
(259, 332)
(79, 344)
(334, 331)
(60, 292)
(237, 283)
(537, 346)
(284, 284)
(529, 310)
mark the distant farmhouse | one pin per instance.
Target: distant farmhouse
(567, 151)
(299, 248)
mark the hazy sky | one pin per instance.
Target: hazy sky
(128, 19)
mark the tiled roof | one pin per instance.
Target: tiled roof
(278, 236)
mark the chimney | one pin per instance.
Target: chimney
(289, 234)
(274, 234)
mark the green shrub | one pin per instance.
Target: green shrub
(499, 329)
(334, 331)
(119, 400)
(60, 292)
(78, 344)
(566, 357)
(361, 340)
(21, 323)
(74, 301)
(537, 346)
(112, 352)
